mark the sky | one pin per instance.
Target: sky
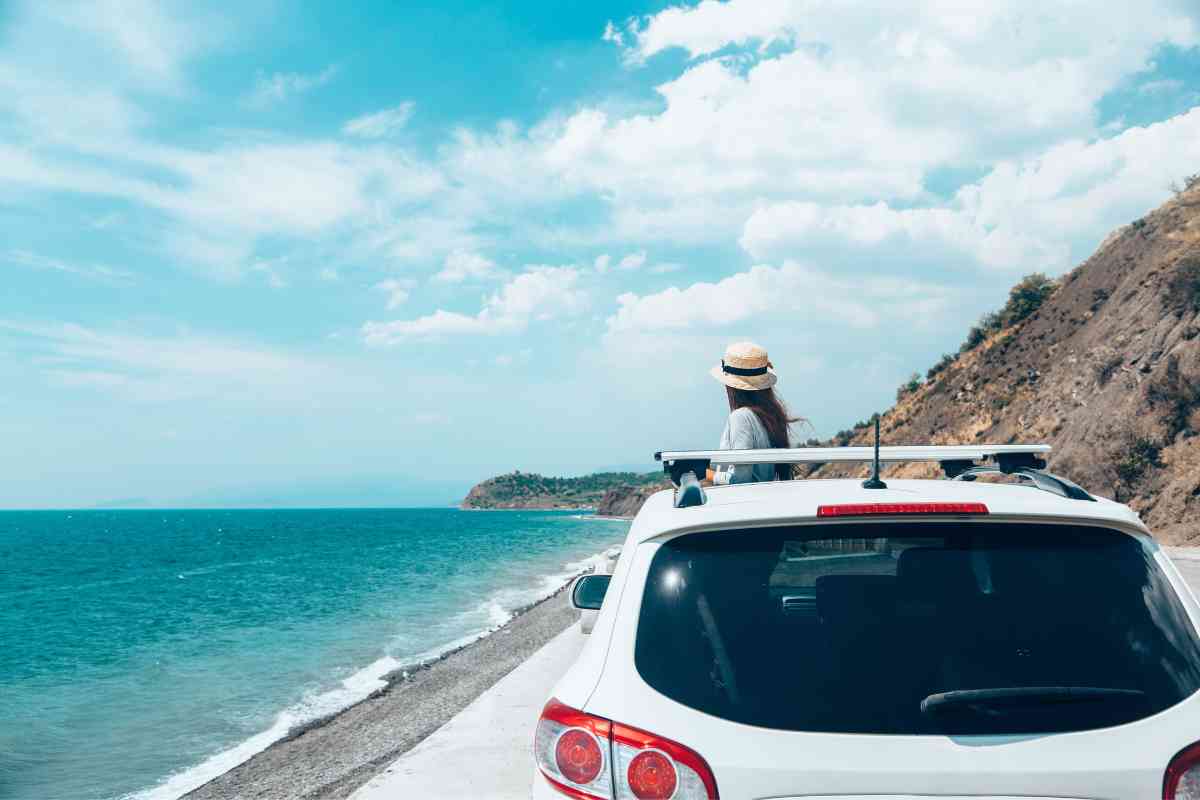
(270, 253)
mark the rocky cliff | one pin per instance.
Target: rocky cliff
(1104, 364)
(625, 501)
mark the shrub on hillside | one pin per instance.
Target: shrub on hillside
(1189, 182)
(908, 387)
(1141, 456)
(1026, 297)
(1106, 367)
(1131, 458)
(940, 367)
(1176, 395)
(975, 337)
(1183, 287)
(1023, 300)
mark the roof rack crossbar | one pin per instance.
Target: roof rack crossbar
(959, 462)
(1016, 454)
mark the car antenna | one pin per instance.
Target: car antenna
(874, 482)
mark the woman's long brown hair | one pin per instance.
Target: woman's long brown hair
(773, 414)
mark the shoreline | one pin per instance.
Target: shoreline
(331, 756)
(529, 508)
(593, 515)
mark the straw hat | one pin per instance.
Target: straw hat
(745, 366)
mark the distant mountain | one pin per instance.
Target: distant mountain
(530, 490)
(124, 502)
(1104, 364)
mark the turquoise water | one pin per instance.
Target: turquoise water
(143, 652)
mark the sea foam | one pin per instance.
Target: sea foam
(496, 611)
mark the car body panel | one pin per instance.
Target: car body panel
(1125, 762)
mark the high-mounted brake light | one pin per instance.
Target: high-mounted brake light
(591, 758)
(893, 509)
(1182, 781)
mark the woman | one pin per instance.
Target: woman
(757, 417)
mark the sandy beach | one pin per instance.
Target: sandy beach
(333, 757)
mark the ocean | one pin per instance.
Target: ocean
(144, 652)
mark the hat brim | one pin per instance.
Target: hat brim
(749, 383)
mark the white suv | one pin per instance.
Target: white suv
(934, 638)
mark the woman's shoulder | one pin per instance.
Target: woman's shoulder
(744, 417)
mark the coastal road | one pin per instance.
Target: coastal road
(483, 752)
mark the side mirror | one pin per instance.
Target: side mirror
(588, 593)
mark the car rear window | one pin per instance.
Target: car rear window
(916, 628)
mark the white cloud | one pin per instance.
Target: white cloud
(1045, 213)
(870, 100)
(100, 272)
(540, 293)
(224, 200)
(439, 323)
(663, 269)
(998, 30)
(463, 265)
(271, 271)
(1161, 86)
(806, 295)
(380, 124)
(839, 124)
(508, 359)
(878, 236)
(149, 39)
(632, 261)
(543, 292)
(396, 289)
(148, 368)
(709, 26)
(279, 87)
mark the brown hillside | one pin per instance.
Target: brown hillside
(1107, 370)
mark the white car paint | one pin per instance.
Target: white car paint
(1125, 762)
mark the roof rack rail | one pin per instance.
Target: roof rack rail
(959, 462)
(1046, 481)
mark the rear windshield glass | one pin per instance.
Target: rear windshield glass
(921, 628)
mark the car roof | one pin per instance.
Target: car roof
(774, 502)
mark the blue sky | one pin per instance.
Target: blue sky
(307, 253)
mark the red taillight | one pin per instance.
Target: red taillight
(590, 758)
(638, 775)
(572, 750)
(578, 756)
(891, 509)
(1182, 781)
(651, 776)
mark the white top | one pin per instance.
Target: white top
(744, 431)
